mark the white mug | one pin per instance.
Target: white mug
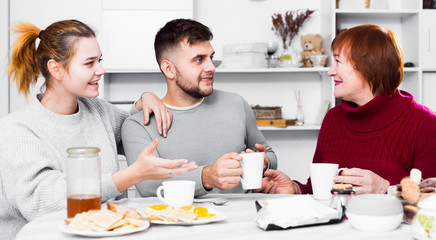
(252, 170)
(321, 175)
(177, 193)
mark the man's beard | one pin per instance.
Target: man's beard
(193, 91)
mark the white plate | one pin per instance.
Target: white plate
(63, 227)
(219, 217)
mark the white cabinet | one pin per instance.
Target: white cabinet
(428, 49)
(428, 42)
(129, 28)
(429, 87)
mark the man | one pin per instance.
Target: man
(209, 127)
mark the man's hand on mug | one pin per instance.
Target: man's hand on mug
(224, 174)
(260, 148)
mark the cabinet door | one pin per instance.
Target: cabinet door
(428, 39)
(428, 88)
(128, 34)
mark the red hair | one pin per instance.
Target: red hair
(376, 53)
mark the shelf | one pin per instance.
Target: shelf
(375, 13)
(291, 128)
(133, 71)
(254, 70)
(272, 70)
(231, 70)
(429, 69)
(411, 69)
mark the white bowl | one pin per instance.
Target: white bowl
(318, 60)
(374, 212)
(368, 223)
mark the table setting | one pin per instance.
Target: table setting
(334, 211)
(239, 223)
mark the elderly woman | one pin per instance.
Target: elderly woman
(378, 132)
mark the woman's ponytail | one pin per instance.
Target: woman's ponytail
(22, 64)
(57, 42)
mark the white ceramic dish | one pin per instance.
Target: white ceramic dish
(219, 217)
(374, 212)
(367, 223)
(63, 228)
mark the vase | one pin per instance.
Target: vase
(300, 116)
(290, 58)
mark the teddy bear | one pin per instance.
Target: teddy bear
(311, 44)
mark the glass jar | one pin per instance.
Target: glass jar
(340, 200)
(424, 223)
(83, 180)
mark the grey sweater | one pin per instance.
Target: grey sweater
(33, 143)
(222, 123)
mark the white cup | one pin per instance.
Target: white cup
(252, 170)
(321, 175)
(177, 193)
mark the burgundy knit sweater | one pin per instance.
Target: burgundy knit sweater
(388, 135)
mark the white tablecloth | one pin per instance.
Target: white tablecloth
(239, 224)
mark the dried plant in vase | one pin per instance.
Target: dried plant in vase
(288, 26)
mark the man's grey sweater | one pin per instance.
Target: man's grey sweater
(222, 123)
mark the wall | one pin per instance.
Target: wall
(247, 21)
(4, 40)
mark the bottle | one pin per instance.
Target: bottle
(340, 200)
(300, 116)
(83, 180)
(424, 223)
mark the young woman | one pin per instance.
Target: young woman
(378, 132)
(34, 139)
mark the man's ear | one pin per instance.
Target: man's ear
(56, 69)
(168, 69)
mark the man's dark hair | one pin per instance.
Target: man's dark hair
(177, 30)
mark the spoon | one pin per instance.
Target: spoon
(216, 201)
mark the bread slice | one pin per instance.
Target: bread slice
(127, 212)
(79, 223)
(170, 214)
(104, 220)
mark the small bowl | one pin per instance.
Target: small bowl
(374, 212)
(318, 60)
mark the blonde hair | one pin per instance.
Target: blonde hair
(57, 42)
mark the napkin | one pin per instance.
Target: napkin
(295, 211)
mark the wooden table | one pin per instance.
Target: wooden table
(239, 224)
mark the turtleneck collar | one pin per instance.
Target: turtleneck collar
(378, 113)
